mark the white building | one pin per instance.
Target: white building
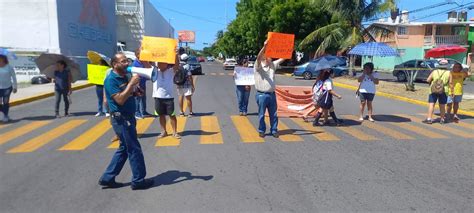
(72, 27)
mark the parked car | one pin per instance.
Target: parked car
(210, 59)
(425, 67)
(194, 66)
(40, 79)
(201, 59)
(451, 63)
(307, 73)
(230, 64)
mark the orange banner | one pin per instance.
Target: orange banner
(294, 101)
(280, 45)
(158, 49)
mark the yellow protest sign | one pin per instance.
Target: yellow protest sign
(158, 49)
(96, 74)
(280, 45)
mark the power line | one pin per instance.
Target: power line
(460, 7)
(192, 16)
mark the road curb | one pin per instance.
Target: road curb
(44, 95)
(400, 98)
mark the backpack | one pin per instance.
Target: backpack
(438, 85)
(180, 76)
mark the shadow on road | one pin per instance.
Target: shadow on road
(174, 176)
(196, 132)
(391, 119)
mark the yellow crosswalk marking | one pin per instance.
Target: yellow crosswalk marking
(286, 134)
(384, 130)
(4, 125)
(88, 138)
(213, 73)
(142, 126)
(246, 130)
(47, 137)
(170, 140)
(318, 132)
(443, 128)
(8, 136)
(210, 130)
(419, 130)
(221, 73)
(230, 74)
(357, 133)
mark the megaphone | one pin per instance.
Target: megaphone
(148, 73)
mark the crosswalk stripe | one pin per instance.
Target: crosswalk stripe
(169, 140)
(88, 138)
(213, 73)
(440, 127)
(8, 136)
(318, 132)
(230, 74)
(4, 125)
(382, 129)
(47, 137)
(221, 73)
(246, 130)
(357, 133)
(210, 130)
(418, 130)
(286, 134)
(142, 126)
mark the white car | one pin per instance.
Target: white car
(129, 54)
(230, 64)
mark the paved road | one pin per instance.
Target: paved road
(52, 165)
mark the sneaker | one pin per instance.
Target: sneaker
(107, 115)
(244, 114)
(371, 120)
(361, 119)
(98, 114)
(241, 114)
(138, 117)
(442, 121)
(182, 114)
(191, 114)
(261, 134)
(146, 184)
(66, 114)
(456, 119)
(110, 184)
(427, 121)
(177, 136)
(5, 119)
(316, 123)
(276, 135)
(57, 115)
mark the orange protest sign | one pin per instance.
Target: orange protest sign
(158, 49)
(280, 45)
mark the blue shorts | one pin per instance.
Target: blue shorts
(442, 98)
(456, 99)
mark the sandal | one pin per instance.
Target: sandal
(162, 135)
(191, 114)
(305, 119)
(177, 136)
(182, 114)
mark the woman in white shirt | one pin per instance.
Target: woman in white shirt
(7, 85)
(367, 80)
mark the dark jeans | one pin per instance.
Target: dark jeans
(242, 98)
(99, 89)
(58, 94)
(5, 103)
(267, 101)
(125, 128)
(140, 101)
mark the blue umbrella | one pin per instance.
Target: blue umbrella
(7, 53)
(325, 62)
(373, 49)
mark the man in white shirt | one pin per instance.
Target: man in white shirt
(265, 86)
(163, 89)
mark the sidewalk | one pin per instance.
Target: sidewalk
(40, 91)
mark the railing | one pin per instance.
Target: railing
(445, 39)
(127, 6)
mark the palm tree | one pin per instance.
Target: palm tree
(346, 28)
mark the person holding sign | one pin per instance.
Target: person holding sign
(265, 85)
(243, 90)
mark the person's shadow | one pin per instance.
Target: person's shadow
(173, 176)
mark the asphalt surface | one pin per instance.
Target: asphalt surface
(398, 165)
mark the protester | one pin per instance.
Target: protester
(62, 86)
(456, 90)
(322, 93)
(243, 93)
(141, 99)
(265, 95)
(366, 91)
(164, 97)
(99, 90)
(7, 86)
(119, 88)
(439, 80)
(186, 90)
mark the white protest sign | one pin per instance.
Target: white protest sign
(244, 76)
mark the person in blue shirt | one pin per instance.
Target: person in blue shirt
(62, 86)
(119, 89)
(140, 111)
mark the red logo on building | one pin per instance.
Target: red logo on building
(92, 13)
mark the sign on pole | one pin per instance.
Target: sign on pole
(96, 74)
(158, 49)
(244, 76)
(280, 45)
(187, 36)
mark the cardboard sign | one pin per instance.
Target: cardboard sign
(158, 49)
(280, 45)
(244, 76)
(96, 74)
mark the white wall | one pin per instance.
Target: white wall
(155, 23)
(29, 25)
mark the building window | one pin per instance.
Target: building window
(402, 31)
(401, 52)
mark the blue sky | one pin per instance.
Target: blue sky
(206, 17)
